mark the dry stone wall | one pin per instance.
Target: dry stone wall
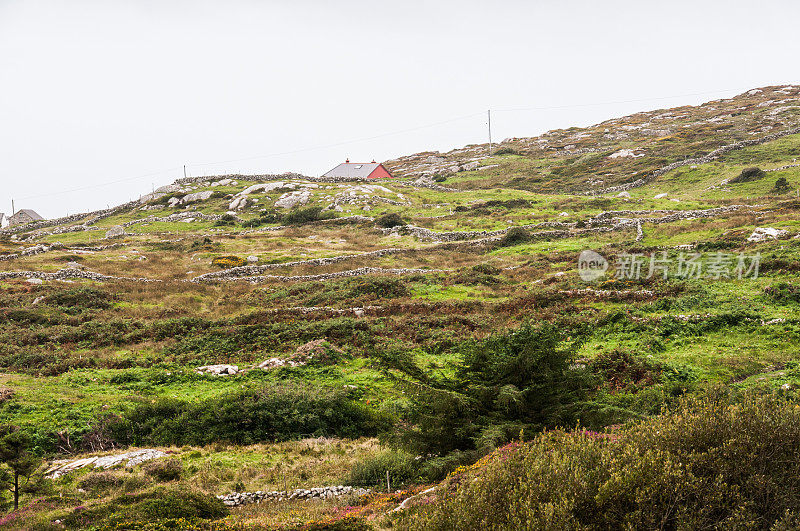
(427, 234)
(180, 216)
(236, 499)
(244, 271)
(328, 276)
(616, 216)
(70, 273)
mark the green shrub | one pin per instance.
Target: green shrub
(747, 175)
(226, 220)
(400, 465)
(478, 274)
(514, 236)
(390, 220)
(24, 317)
(506, 151)
(508, 204)
(380, 287)
(178, 503)
(206, 244)
(299, 216)
(437, 468)
(486, 269)
(713, 463)
(783, 292)
(84, 298)
(134, 511)
(781, 186)
(274, 412)
(164, 469)
(622, 370)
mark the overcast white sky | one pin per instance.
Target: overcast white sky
(98, 95)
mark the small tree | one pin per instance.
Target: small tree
(781, 185)
(507, 384)
(15, 454)
(390, 220)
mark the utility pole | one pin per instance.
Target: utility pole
(184, 171)
(12, 208)
(489, 115)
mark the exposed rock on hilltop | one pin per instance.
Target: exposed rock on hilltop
(619, 150)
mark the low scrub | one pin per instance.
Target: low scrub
(101, 481)
(271, 413)
(506, 151)
(784, 293)
(398, 466)
(713, 463)
(134, 511)
(164, 469)
(299, 216)
(81, 298)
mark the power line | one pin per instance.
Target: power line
(271, 155)
(100, 185)
(577, 105)
(368, 138)
(342, 143)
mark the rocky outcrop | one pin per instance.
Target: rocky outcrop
(219, 370)
(117, 231)
(197, 196)
(717, 153)
(293, 199)
(129, 459)
(767, 233)
(236, 499)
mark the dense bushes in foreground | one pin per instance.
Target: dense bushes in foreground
(713, 463)
(133, 511)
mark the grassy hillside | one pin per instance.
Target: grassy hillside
(362, 289)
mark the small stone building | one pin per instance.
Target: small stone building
(25, 215)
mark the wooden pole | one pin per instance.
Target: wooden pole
(489, 115)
